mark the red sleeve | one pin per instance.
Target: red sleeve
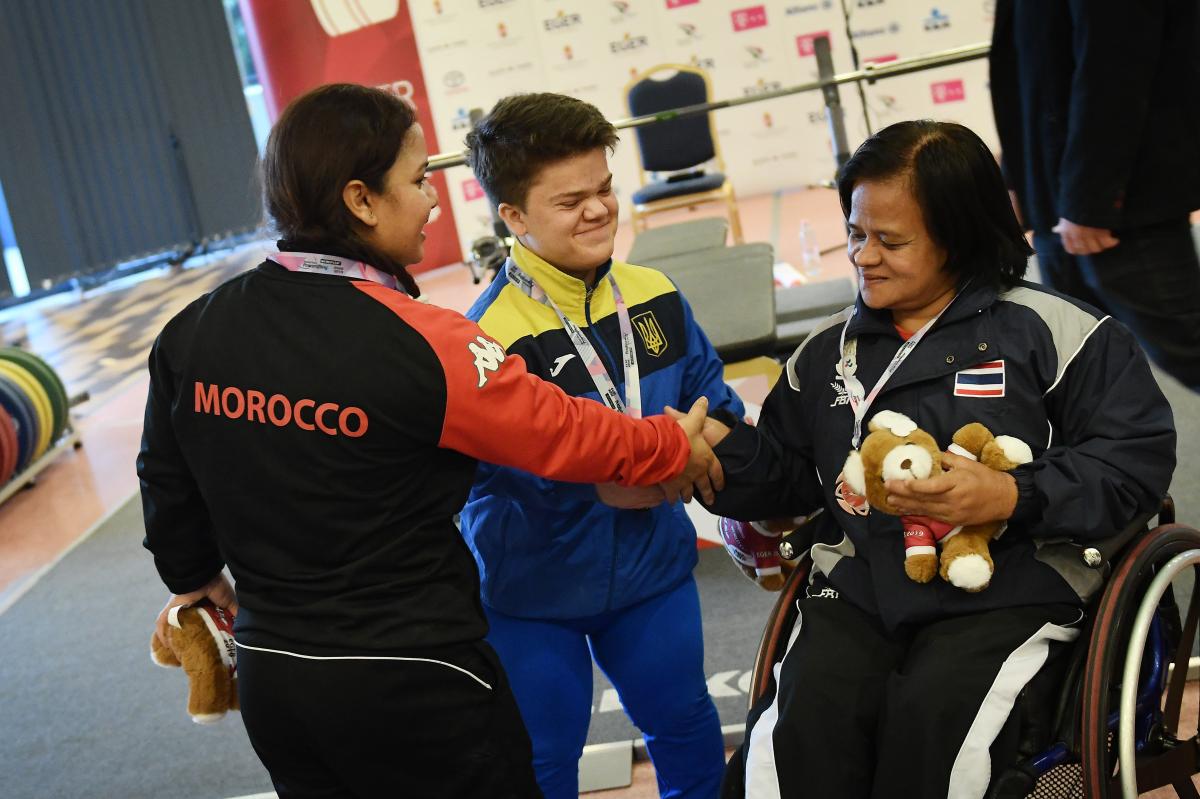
(497, 412)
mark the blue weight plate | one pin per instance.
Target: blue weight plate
(20, 408)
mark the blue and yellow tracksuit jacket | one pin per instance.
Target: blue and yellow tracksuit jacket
(549, 549)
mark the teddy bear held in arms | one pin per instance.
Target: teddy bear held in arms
(896, 449)
(200, 639)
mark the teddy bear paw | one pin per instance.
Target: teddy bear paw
(970, 572)
(207, 718)
(921, 568)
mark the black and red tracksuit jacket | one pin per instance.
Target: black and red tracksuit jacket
(316, 434)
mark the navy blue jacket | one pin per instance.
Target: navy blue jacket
(1076, 388)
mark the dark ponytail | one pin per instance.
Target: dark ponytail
(323, 140)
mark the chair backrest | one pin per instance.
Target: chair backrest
(677, 143)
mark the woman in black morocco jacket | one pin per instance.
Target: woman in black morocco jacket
(892, 687)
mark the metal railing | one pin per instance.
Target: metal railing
(869, 73)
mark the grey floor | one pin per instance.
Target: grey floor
(84, 713)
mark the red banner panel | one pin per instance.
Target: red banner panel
(301, 44)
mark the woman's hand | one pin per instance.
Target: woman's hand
(969, 493)
(218, 589)
(630, 497)
(703, 471)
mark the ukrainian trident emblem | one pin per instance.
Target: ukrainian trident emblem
(653, 338)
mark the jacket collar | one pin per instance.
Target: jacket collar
(569, 293)
(973, 297)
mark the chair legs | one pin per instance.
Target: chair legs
(735, 218)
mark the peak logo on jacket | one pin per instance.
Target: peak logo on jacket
(488, 357)
(235, 403)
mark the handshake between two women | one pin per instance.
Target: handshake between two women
(702, 475)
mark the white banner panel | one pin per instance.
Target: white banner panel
(477, 51)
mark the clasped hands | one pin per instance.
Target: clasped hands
(702, 475)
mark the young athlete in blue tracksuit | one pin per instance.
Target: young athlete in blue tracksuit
(572, 572)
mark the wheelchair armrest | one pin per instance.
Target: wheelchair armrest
(1102, 552)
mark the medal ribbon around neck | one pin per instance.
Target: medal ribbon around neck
(848, 365)
(632, 405)
(333, 266)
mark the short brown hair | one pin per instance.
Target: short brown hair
(525, 132)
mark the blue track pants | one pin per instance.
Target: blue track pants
(653, 654)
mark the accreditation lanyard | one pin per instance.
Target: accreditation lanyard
(333, 266)
(848, 365)
(587, 353)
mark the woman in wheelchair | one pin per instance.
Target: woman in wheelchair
(890, 687)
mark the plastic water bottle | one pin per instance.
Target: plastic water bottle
(810, 253)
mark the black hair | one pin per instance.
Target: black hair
(958, 185)
(323, 140)
(525, 132)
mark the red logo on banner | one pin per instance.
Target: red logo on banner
(680, 3)
(749, 18)
(804, 42)
(948, 91)
(471, 190)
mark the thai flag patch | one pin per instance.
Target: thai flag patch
(985, 380)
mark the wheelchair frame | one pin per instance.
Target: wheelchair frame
(1111, 725)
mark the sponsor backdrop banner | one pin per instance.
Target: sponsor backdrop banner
(300, 44)
(476, 51)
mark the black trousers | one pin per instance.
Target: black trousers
(1150, 282)
(922, 712)
(441, 724)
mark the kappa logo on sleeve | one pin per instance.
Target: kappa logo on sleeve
(488, 357)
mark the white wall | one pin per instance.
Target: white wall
(475, 51)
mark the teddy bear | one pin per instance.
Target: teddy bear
(200, 639)
(896, 449)
(966, 561)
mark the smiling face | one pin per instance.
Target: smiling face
(569, 216)
(900, 267)
(395, 216)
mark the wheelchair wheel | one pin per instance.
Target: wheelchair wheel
(1128, 654)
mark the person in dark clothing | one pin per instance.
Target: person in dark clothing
(1097, 104)
(314, 427)
(891, 687)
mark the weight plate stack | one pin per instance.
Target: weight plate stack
(20, 409)
(50, 382)
(40, 400)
